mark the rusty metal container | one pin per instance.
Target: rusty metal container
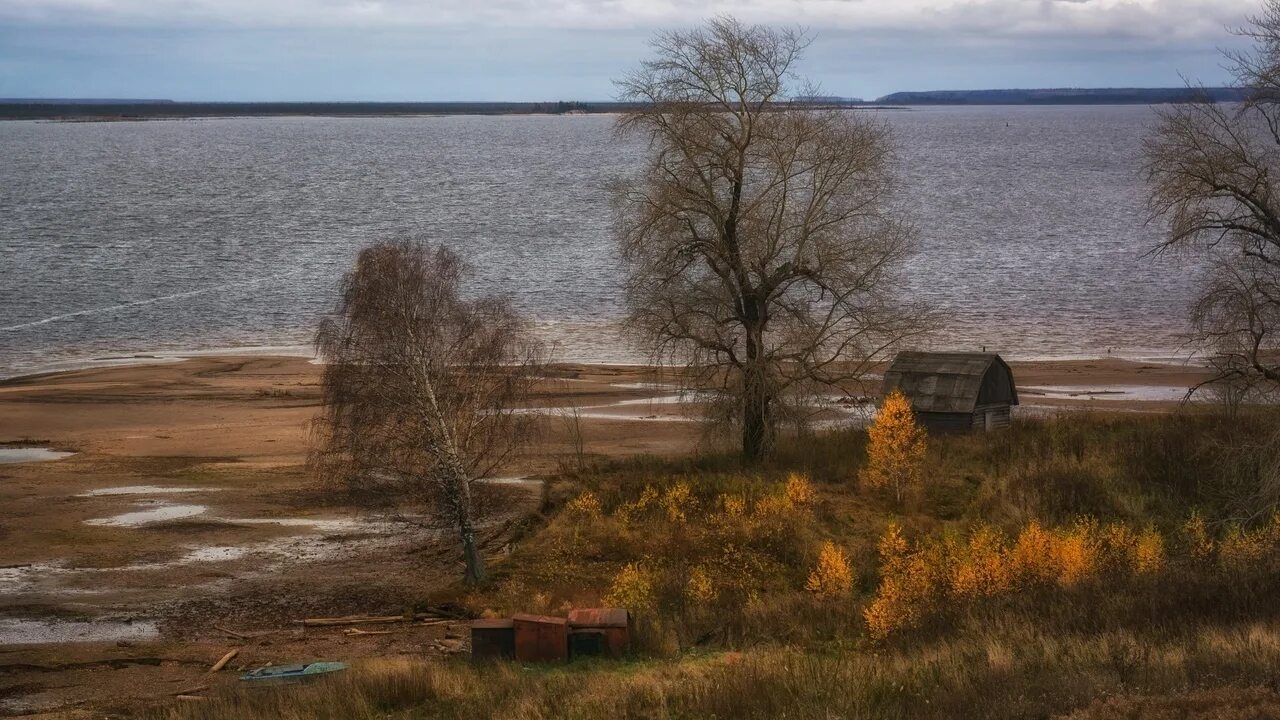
(613, 623)
(493, 639)
(587, 643)
(541, 638)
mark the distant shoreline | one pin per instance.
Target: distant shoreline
(145, 112)
(125, 110)
(307, 353)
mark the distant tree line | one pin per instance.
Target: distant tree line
(1069, 96)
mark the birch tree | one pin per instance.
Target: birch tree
(422, 389)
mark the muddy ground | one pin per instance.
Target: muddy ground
(184, 524)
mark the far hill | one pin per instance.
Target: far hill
(1064, 96)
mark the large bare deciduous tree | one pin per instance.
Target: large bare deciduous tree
(1212, 173)
(422, 389)
(761, 240)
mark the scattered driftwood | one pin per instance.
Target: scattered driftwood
(225, 659)
(192, 690)
(244, 635)
(358, 631)
(190, 698)
(370, 619)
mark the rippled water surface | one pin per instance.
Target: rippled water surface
(175, 235)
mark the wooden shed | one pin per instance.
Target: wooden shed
(953, 391)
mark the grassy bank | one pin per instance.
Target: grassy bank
(1107, 565)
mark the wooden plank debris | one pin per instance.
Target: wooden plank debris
(368, 620)
(192, 690)
(244, 635)
(225, 659)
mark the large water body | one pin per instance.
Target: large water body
(122, 238)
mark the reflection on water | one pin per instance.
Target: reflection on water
(30, 454)
(157, 511)
(23, 631)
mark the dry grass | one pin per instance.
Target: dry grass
(1137, 612)
(1008, 671)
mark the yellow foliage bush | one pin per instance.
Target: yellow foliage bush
(983, 568)
(678, 502)
(893, 547)
(1077, 553)
(699, 590)
(586, 505)
(907, 594)
(1034, 557)
(919, 581)
(733, 506)
(632, 588)
(648, 498)
(800, 490)
(832, 576)
(1241, 550)
(1197, 537)
(896, 447)
(1148, 553)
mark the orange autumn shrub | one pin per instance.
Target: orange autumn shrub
(936, 575)
(649, 497)
(1196, 535)
(799, 490)
(982, 567)
(1034, 557)
(700, 590)
(1077, 552)
(1148, 553)
(584, 506)
(832, 576)
(733, 506)
(896, 447)
(1240, 550)
(910, 583)
(678, 502)
(632, 588)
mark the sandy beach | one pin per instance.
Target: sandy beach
(184, 510)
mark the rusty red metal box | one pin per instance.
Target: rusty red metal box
(613, 623)
(541, 638)
(492, 639)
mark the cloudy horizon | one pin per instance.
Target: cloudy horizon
(534, 50)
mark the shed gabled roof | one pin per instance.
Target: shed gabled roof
(944, 381)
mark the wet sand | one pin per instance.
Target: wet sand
(186, 506)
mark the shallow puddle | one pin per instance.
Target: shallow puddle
(158, 512)
(1145, 393)
(510, 480)
(31, 454)
(144, 490)
(24, 631)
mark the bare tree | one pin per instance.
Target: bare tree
(1211, 170)
(760, 239)
(421, 388)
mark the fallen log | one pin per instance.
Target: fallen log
(225, 659)
(367, 619)
(358, 631)
(190, 698)
(192, 690)
(244, 635)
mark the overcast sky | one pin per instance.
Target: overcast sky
(570, 49)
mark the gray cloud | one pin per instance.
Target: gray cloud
(1149, 20)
